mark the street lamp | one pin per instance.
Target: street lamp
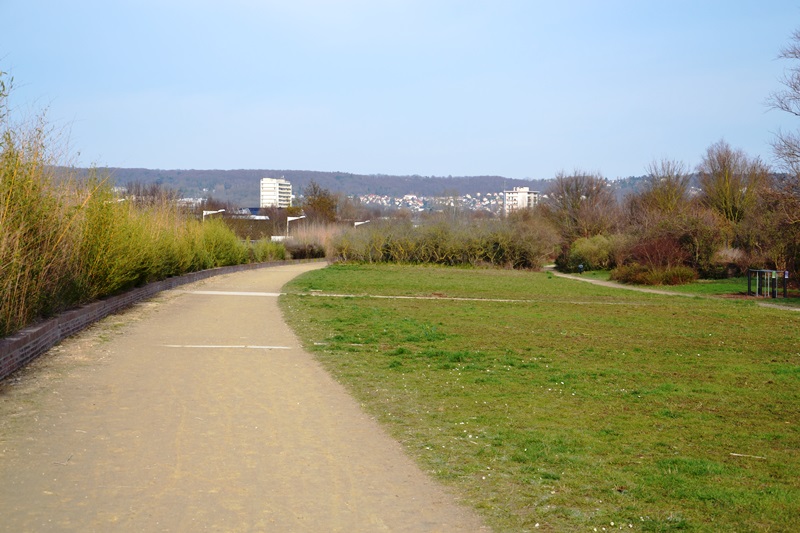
(206, 213)
(289, 219)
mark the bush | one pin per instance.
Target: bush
(34, 255)
(265, 250)
(594, 253)
(222, 246)
(64, 242)
(297, 250)
(317, 234)
(638, 274)
(479, 242)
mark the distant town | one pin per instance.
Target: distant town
(277, 192)
(416, 194)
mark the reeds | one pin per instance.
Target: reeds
(64, 242)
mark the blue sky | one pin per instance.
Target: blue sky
(522, 89)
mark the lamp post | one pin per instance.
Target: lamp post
(289, 219)
(206, 213)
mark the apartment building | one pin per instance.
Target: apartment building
(519, 198)
(275, 193)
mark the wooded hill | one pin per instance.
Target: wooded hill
(241, 187)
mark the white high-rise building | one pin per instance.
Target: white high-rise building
(275, 193)
(519, 198)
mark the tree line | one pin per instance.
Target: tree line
(742, 215)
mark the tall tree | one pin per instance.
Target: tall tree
(730, 180)
(667, 186)
(786, 145)
(581, 205)
(319, 204)
(665, 193)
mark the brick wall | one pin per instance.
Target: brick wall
(26, 345)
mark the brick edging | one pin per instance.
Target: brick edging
(24, 346)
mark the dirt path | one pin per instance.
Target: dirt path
(199, 411)
(615, 285)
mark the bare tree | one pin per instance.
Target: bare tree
(665, 194)
(150, 194)
(777, 229)
(581, 205)
(667, 188)
(787, 144)
(319, 204)
(730, 180)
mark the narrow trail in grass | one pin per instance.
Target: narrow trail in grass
(199, 410)
(615, 285)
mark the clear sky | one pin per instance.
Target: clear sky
(522, 89)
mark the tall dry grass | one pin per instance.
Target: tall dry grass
(317, 237)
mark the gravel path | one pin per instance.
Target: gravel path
(199, 411)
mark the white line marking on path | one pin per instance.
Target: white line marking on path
(226, 346)
(461, 299)
(235, 293)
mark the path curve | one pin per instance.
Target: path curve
(615, 285)
(199, 411)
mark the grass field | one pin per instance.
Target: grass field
(550, 404)
(728, 288)
(734, 287)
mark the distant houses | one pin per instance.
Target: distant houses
(277, 193)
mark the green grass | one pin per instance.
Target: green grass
(712, 287)
(728, 288)
(602, 275)
(733, 288)
(577, 407)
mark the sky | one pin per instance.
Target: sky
(516, 88)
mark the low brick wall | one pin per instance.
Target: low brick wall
(26, 345)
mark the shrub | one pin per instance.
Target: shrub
(222, 245)
(594, 253)
(638, 274)
(478, 242)
(266, 250)
(299, 250)
(317, 235)
(64, 242)
(34, 255)
(112, 244)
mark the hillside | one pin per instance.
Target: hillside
(241, 186)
